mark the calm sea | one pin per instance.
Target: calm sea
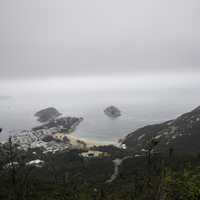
(17, 112)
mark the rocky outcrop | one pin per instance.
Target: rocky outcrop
(112, 112)
(182, 134)
(62, 124)
(47, 114)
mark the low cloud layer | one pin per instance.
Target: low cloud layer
(88, 38)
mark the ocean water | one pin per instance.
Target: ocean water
(139, 107)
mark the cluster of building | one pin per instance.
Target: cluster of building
(49, 139)
(94, 153)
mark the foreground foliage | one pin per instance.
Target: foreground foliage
(68, 176)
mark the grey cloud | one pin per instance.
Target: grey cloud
(91, 37)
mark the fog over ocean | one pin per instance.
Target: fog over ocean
(82, 56)
(143, 100)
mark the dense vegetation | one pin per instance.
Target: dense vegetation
(68, 176)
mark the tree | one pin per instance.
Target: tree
(150, 145)
(15, 170)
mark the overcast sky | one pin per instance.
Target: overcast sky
(53, 38)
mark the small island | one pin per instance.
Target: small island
(112, 112)
(47, 114)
